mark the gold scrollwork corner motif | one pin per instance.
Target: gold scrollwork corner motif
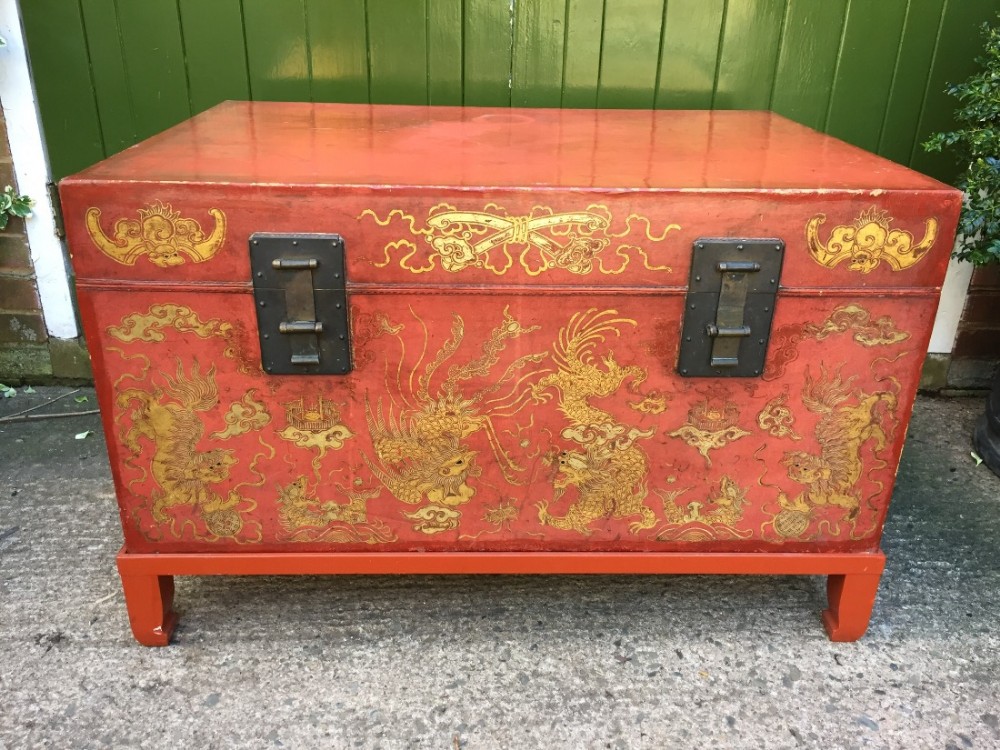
(160, 234)
(868, 241)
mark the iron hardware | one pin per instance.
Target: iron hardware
(729, 307)
(300, 326)
(300, 289)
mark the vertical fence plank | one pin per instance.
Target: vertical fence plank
(109, 72)
(582, 52)
(748, 55)
(689, 54)
(277, 52)
(807, 60)
(539, 34)
(338, 49)
(157, 78)
(864, 73)
(959, 43)
(909, 81)
(444, 51)
(397, 51)
(215, 52)
(488, 40)
(630, 53)
(61, 68)
(107, 68)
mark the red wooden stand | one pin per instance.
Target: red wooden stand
(149, 585)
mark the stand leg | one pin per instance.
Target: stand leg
(149, 600)
(851, 598)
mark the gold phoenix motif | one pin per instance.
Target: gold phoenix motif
(869, 241)
(159, 233)
(422, 453)
(609, 471)
(542, 241)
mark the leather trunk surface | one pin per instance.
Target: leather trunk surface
(516, 285)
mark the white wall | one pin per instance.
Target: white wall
(953, 293)
(31, 168)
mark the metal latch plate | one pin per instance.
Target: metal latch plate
(729, 306)
(301, 301)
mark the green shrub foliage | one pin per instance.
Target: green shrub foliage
(977, 145)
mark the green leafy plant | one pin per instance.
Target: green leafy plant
(977, 145)
(12, 204)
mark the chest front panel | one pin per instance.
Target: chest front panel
(515, 379)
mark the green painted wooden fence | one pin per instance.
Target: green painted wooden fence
(112, 72)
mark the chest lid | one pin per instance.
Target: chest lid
(486, 196)
(381, 146)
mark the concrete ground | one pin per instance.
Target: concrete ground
(495, 662)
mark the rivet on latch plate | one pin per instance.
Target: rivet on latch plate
(733, 304)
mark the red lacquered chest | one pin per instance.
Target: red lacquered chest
(377, 339)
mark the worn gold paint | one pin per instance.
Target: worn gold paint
(777, 419)
(856, 319)
(711, 425)
(148, 327)
(433, 519)
(653, 402)
(609, 471)
(715, 518)
(542, 241)
(167, 417)
(501, 516)
(243, 416)
(790, 523)
(423, 457)
(159, 233)
(314, 424)
(830, 477)
(306, 518)
(869, 241)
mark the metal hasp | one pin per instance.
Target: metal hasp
(729, 307)
(300, 294)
